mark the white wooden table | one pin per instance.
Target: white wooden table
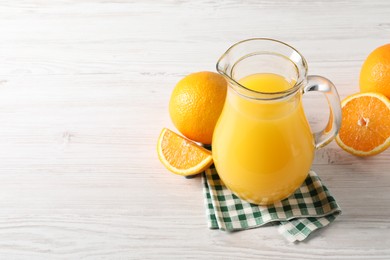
(84, 90)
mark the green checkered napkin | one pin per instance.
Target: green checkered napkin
(311, 207)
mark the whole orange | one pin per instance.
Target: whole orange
(375, 73)
(196, 104)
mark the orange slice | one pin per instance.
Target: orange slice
(182, 156)
(365, 127)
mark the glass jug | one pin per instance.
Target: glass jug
(262, 144)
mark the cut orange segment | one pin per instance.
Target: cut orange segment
(182, 156)
(365, 127)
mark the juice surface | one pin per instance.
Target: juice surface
(263, 150)
(266, 82)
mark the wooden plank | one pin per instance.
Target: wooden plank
(84, 91)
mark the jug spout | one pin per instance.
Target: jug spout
(223, 66)
(226, 66)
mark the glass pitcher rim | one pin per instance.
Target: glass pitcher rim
(269, 95)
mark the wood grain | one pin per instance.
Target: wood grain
(84, 89)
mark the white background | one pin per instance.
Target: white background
(84, 91)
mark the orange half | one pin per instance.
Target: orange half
(365, 126)
(182, 156)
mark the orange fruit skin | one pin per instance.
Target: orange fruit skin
(181, 156)
(365, 126)
(375, 72)
(196, 104)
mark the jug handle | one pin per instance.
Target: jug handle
(321, 84)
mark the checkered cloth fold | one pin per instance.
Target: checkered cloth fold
(311, 207)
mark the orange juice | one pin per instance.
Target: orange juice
(263, 149)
